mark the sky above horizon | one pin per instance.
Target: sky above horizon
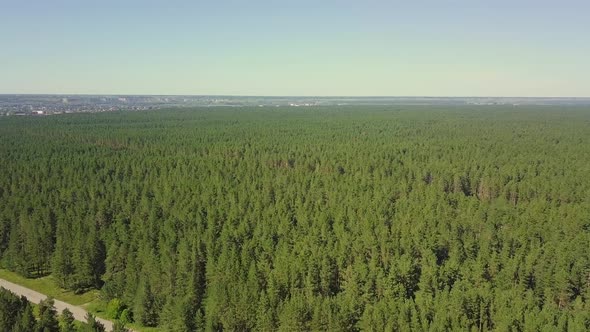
(305, 48)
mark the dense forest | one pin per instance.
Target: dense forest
(383, 218)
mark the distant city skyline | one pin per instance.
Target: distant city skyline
(304, 48)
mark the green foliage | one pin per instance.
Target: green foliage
(92, 324)
(16, 313)
(147, 306)
(47, 317)
(118, 326)
(328, 218)
(114, 309)
(25, 319)
(126, 316)
(67, 321)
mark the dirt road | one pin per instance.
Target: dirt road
(36, 297)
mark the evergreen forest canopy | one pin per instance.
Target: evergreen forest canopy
(336, 218)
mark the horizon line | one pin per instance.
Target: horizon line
(286, 96)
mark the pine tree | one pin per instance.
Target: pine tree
(67, 321)
(147, 310)
(47, 317)
(26, 320)
(92, 324)
(61, 264)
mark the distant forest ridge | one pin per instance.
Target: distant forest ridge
(62, 104)
(203, 100)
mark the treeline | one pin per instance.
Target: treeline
(336, 218)
(17, 315)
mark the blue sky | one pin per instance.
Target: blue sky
(331, 48)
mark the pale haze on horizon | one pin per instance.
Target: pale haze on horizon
(305, 48)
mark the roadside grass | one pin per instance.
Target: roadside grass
(46, 285)
(98, 308)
